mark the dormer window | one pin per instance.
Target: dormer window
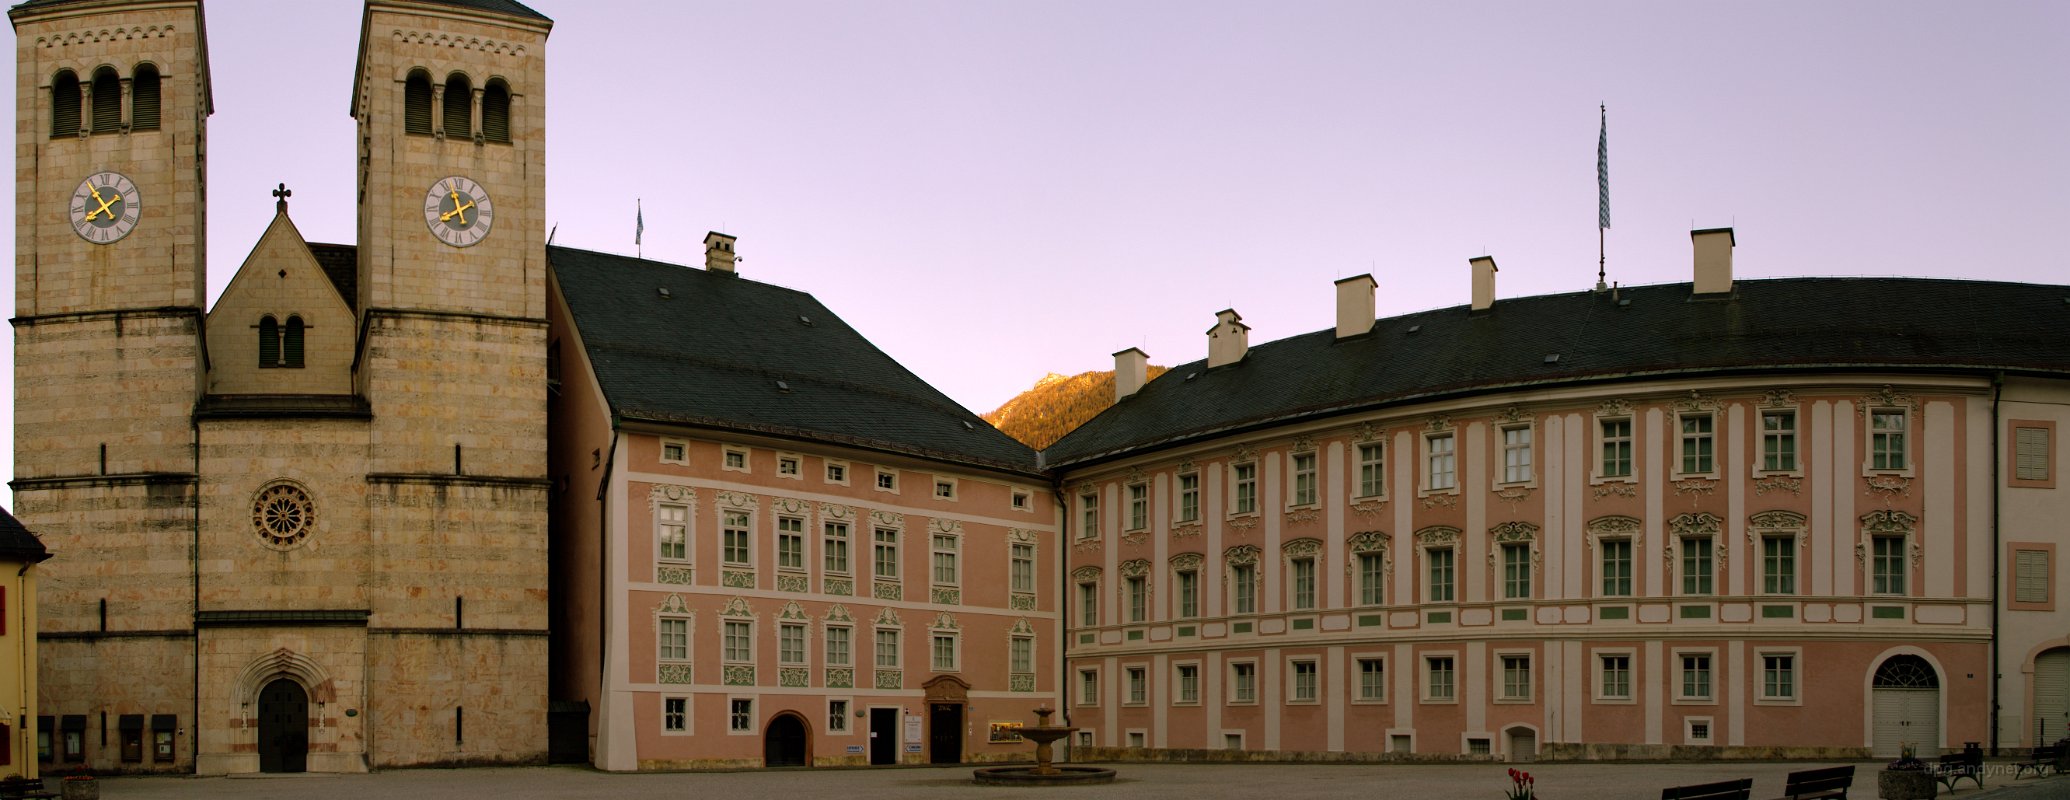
(280, 346)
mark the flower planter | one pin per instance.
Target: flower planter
(1905, 785)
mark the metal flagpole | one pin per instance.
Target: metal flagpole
(1602, 193)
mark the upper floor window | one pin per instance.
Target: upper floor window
(1617, 567)
(496, 112)
(1243, 583)
(1516, 454)
(107, 101)
(64, 104)
(1138, 506)
(1372, 475)
(1516, 571)
(2033, 455)
(1887, 565)
(1439, 562)
(1697, 443)
(143, 99)
(1697, 573)
(1303, 570)
(1778, 441)
(1887, 439)
(1089, 511)
(1304, 479)
(417, 103)
(1189, 497)
(459, 107)
(1246, 482)
(1617, 447)
(280, 345)
(1443, 467)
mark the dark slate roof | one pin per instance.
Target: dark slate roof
(509, 7)
(17, 543)
(712, 352)
(340, 263)
(1786, 324)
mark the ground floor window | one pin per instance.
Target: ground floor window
(741, 716)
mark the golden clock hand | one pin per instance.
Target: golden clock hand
(104, 206)
(457, 211)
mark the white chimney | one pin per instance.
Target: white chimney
(1355, 305)
(718, 252)
(1713, 259)
(1131, 371)
(1483, 282)
(1229, 339)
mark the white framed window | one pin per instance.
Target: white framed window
(1372, 470)
(887, 654)
(1779, 563)
(1695, 684)
(790, 543)
(836, 548)
(1023, 500)
(1781, 676)
(1516, 454)
(1778, 440)
(2033, 454)
(1304, 681)
(1372, 579)
(884, 554)
(1440, 679)
(734, 458)
(1021, 567)
(1614, 676)
(1021, 654)
(1887, 440)
(737, 542)
(674, 641)
(675, 715)
(1089, 515)
(1887, 564)
(1243, 483)
(790, 644)
(1138, 738)
(1085, 737)
(740, 715)
(1516, 677)
(2032, 578)
(675, 451)
(887, 480)
(838, 639)
(1089, 604)
(1440, 462)
(1372, 679)
(1243, 682)
(837, 714)
(1516, 571)
(1232, 740)
(1696, 730)
(1189, 497)
(1138, 685)
(672, 532)
(947, 570)
(837, 472)
(1138, 506)
(1304, 481)
(1243, 588)
(1136, 588)
(1699, 575)
(790, 466)
(738, 642)
(1697, 443)
(1614, 434)
(1440, 574)
(945, 655)
(1186, 684)
(1301, 583)
(1616, 565)
(1187, 593)
(1088, 687)
(944, 488)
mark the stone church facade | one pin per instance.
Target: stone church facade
(262, 504)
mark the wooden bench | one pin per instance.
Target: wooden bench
(1815, 784)
(1740, 789)
(16, 787)
(1956, 766)
(2042, 758)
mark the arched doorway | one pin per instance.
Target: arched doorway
(784, 742)
(1906, 698)
(1523, 744)
(2051, 696)
(283, 727)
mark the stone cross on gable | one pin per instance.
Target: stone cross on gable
(280, 198)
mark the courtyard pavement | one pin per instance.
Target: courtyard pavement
(1595, 781)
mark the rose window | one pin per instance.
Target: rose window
(283, 515)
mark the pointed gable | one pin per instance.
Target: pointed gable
(281, 285)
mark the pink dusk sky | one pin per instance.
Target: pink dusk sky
(992, 191)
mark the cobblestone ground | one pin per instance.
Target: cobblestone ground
(1136, 782)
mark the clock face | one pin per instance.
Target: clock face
(458, 211)
(105, 207)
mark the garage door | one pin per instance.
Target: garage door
(2052, 696)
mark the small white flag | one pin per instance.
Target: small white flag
(639, 222)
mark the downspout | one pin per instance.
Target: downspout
(23, 734)
(194, 628)
(1997, 548)
(604, 585)
(1063, 605)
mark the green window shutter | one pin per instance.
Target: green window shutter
(2030, 454)
(2031, 581)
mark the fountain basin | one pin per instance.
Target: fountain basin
(1066, 775)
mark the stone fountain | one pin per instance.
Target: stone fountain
(1044, 773)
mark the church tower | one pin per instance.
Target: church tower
(111, 109)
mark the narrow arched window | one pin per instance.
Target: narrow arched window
(417, 103)
(459, 107)
(143, 99)
(107, 101)
(291, 344)
(269, 342)
(64, 104)
(496, 112)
